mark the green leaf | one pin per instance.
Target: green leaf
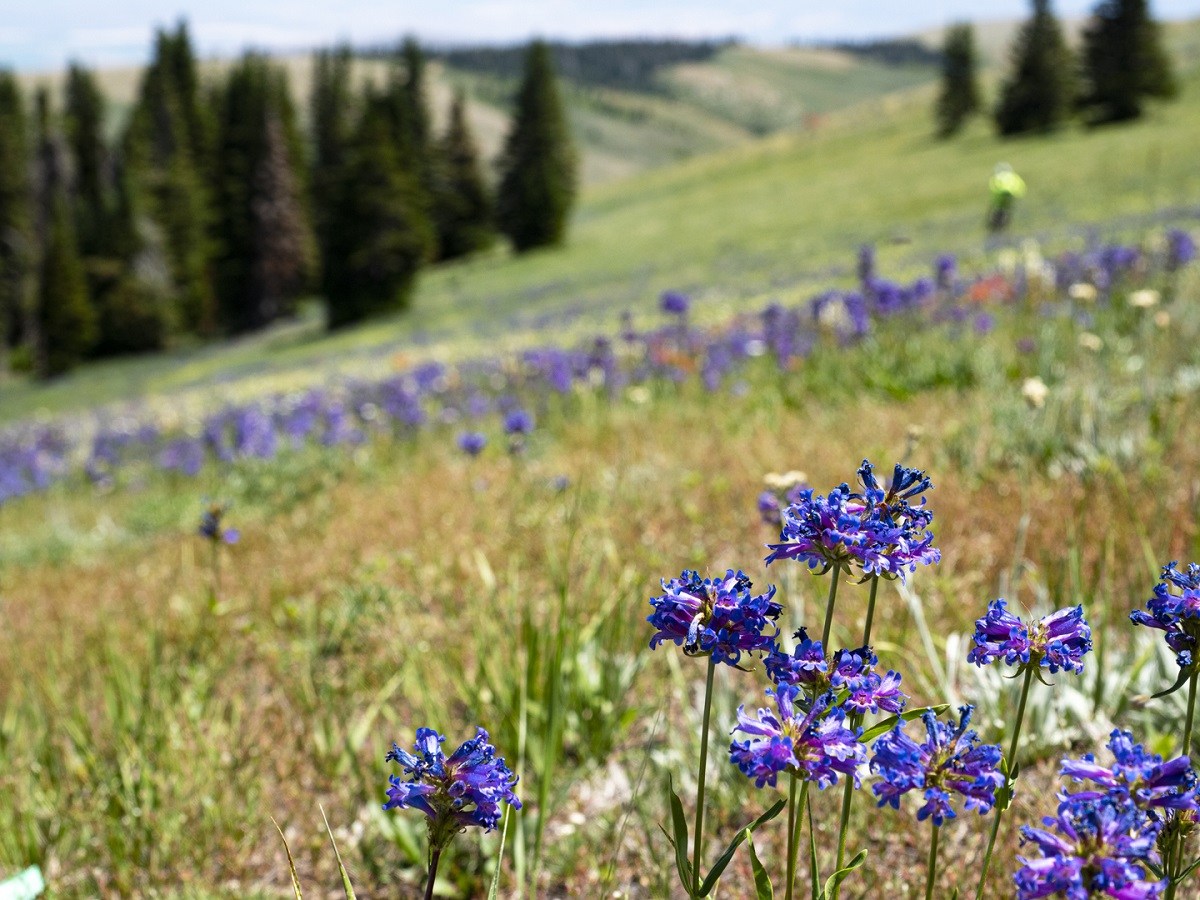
(814, 872)
(885, 725)
(1184, 675)
(291, 862)
(680, 842)
(710, 881)
(1188, 871)
(347, 888)
(762, 881)
(492, 891)
(841, 874)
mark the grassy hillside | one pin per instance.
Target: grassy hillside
(779, 217)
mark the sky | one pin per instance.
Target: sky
(37, 35)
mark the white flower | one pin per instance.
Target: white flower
(1034, 391)
(786, 481)
(1089, 341)
(1144, 299)
(1081, 291)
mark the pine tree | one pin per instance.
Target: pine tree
(265, 253)
(163, 150)
(415, 129)
(64, 316)
(380, 235)
(1124, 62)
(331, 114)
(16, 215)
(537, 184)
(960, 91)
(1038, 94)
(462, 204)
(84, 124)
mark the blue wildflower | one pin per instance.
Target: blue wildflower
(1181, 249)
(950, 761)
(1144, 778)
(1099, 848)
(1175, 609)
(1059, 640)
(518, 421)
(769, 509)
(472, 442)
(210, 525)
(675, 303)
(815, 744)
(714, 616)
(805, 665)
(462, 790)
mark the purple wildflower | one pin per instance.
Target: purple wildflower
(210, 525)
(1059, 640)
(675, 303)
(769, 509)
(518, 421)
(472, 442)
(805, 665)
(1175, 609)
(851, 671)
(455, 792)
(814, 744)
(1144, 778)
(1098, 849)
(714, 616)
(950, 761)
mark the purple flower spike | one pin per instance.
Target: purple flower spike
(455, 792)
(814, 744)
(472, 443)
(1143, 778)
(1175, 610)
(950, 761)
(720, 617)
(1098, 848)
(1057, 641)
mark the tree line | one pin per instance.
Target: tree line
(1121, 64)
(214, 210)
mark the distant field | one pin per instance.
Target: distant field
(779, 217)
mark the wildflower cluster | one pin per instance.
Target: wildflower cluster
(1175, 610)
(848, 674)
(810, 740)
(876, 531)
(1057, 641)
(1140, 777)
(721, 617)
(951, 760)
(211, 528)
(458, 791)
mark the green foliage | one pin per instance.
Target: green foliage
(265, 251)
(16, 214)
(379, 233)
(1124, 62)
(462, 204)
(84, 124)
(331, 114)
(959, 97)
(164, 153)
(537, 185)
(65, 320)
(1038, 93)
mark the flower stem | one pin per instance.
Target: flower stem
(855, 720)
(698, 840)
(433, 866)
(1009, 762)
(931, 878)
(833, 586)
(1175, 856)
(795, 826)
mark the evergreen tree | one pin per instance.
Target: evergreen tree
(960, 91)
(331, 114)
(1038, 94)
(1124, 62)
(266, 244)
(16, 215)
(537, 184)
(416, 132)
(379, 233)
(64, 316)
(163, 151)
(84, 123)
(462, 205)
